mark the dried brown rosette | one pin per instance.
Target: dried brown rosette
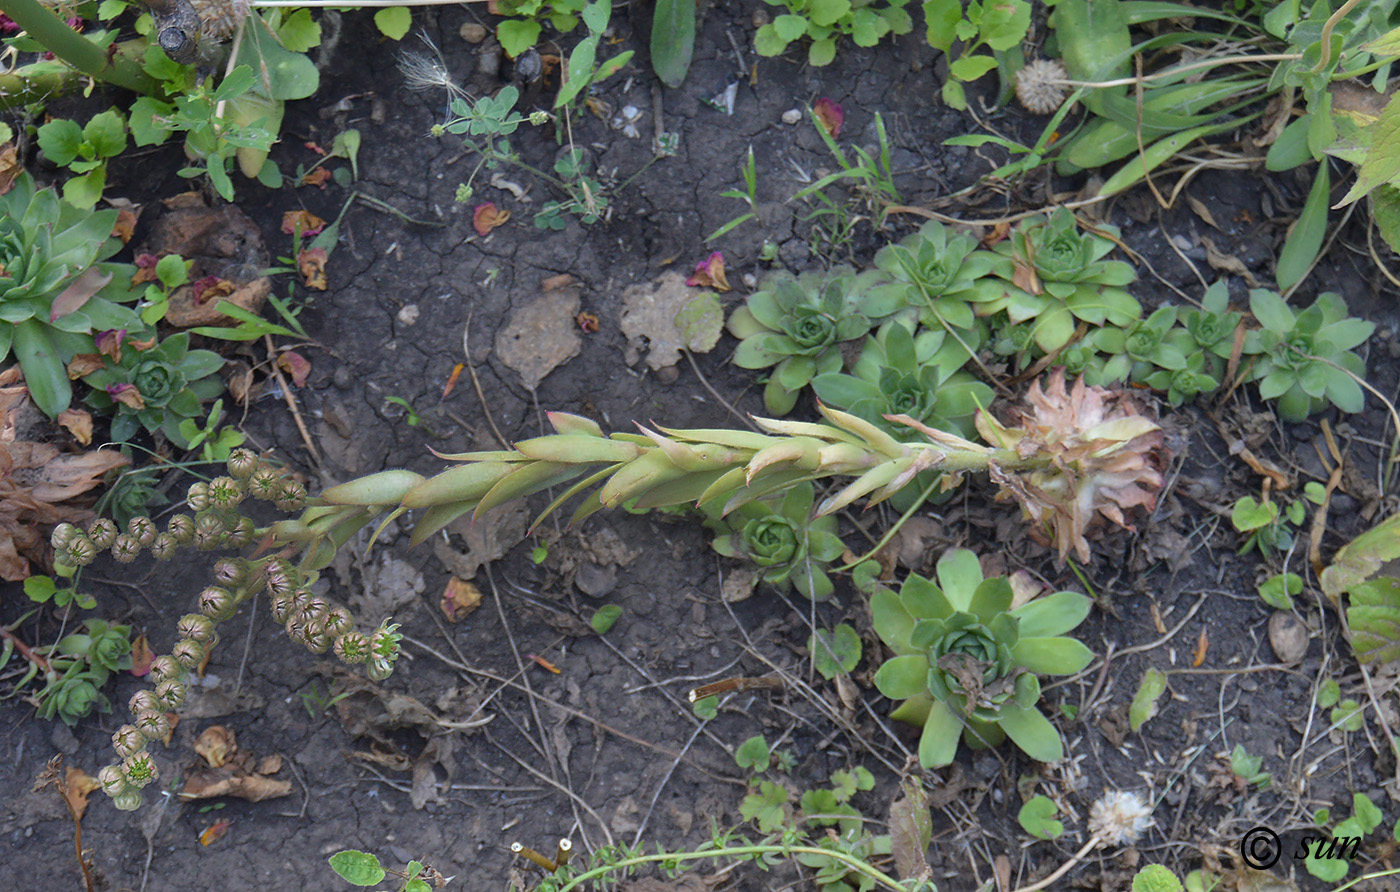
(1105, 457)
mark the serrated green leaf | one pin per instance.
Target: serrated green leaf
(753, 754)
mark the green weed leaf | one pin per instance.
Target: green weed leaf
(359, 868)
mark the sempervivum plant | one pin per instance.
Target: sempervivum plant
(1306, 359)
(53, 291)
(154, 385)
(966, 661)
(1052, 273)
(783, 538)
(796, 326)
(934, 270)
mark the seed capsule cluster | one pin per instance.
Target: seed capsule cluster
(315, 622)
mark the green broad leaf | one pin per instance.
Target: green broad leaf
(1290, 150)
(903, 677)
(836, 652)
(959, 575)
(299, 32)
(1004, 24)
(106, 134)
(1327, 869)
(1373, 617)
(596, 14)
(580, 70)
(1053, 614)
(1052, 656)
(60, 141)
(604, 618)
(1094, 41)
(706, 708)
(868, 27)
(790, 27)
(517, 35)
(1304, 240)
(417, 885)
(86, 190)
(1144, 705)
(1364, 812)
(1030, 730)
(1278, 591)
(280, 73)
(172, 271)
(147, 128)
(767, 42)
(358, 868)
(44, 372)
(1362, 558)
(942, 17)
(938, 743)
(1249, 515)
(673, 40)
(753, 754)
(826, 13)
(1382, 162)
(40, 589)
(106, 11)
(612, 66)
(970, 68)
(954, 96)
(1037, 817)
(822, 52)
(393, 22)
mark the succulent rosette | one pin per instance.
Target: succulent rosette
(1306, 358)
(155, 386)
(966, 660)
(785, 540)
(935, 270)
(796, 324)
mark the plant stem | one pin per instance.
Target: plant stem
(854, 863)
(70, 46)
(23, 649)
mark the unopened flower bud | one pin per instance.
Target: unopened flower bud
(171, 694)
(291, 496)
(188, 653)
(81, 551)
(128, 741)
(318, 640)
(113, 782)
(231, 573)
(265, 484)
(281, 608)
(352, 647)
(163, 546)
(62, 535)
(196, 626)
(143, 701)
(102, 532)
(225, 493)
(217, 603)
(242, 463)
(140, 768)
(198, 496)
(208, 531)
(125, 549)
(281, 577)
(241, 533)
(128, 801)
(296, 629)
(166, 668)
(181, 526)
(142, 529)
(155, 725)
(378, 671)
(538, 117)
(339, 621)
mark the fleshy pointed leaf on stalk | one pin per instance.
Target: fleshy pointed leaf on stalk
(490, 455)
(577, 449)
(1032, 732)
(469, 481)
(734, 439)
(902, 677)
(942, 438)
(318, 557)
(292, 531)
(959, 575)
(596, 477)
(684, 491)
(766, 483)
(347, 528)
(1052, 656)
(638, 476)
(801, 451)
(845, 458)
(384, 488)
(938, 743)
(437, 517)
(871, 480)
(807, 429)
(323, 524)
(566, 423)
(1053, 614)
(591, 504)
(892, 622)
(527, 480)
(876, 438)
(923, 460)
(682, 455)
(722, 486)
(391, 516)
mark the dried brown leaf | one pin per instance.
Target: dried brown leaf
(217, 745)
(79, 424)
(459, 599)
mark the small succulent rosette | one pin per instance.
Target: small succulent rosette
(966, 661)
(792, 547)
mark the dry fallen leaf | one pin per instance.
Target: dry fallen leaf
(80, 785)
(709, 273)
(317, 177)
(311, 263)
(486, 217)
(78, 292)
(302, 221)
(222, 242)
(487, 538)
(216, 744)
(127, 395)
(141, 656)
(79, 424)
(649, 311)
(10, 168)
(294, 364)
(830, 115)
(542, 335)
(124, 228)
(214, 831)
(459, 599)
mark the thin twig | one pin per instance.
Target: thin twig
(476, 383)
(291, 401)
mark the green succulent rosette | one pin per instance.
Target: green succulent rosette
(936, 270)
(1304, 357)
(155, 388)
(796, 324)
(783, 538)
(54, 291)
(966, 662)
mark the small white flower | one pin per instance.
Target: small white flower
(1119, 818)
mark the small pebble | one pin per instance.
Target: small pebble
(472, 32)
(668, 375)
(595, 581)
(760, 18)
(1288, 637)
(342, 377)
(750, 281)
(409, 314)
(488, 59)
(792, 116)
